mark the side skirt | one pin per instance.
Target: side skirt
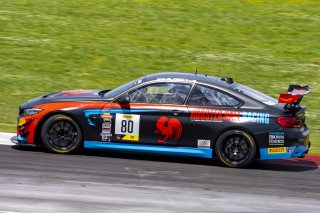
(156, 149)
(283, 152)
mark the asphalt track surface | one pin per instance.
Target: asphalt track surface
(32, 180)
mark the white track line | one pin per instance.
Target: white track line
(5, 138)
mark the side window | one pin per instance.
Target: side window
(161, 93)
(206, 96)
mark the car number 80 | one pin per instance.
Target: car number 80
(127, 124)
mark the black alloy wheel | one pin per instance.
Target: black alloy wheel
(236, 148)
(61, 134)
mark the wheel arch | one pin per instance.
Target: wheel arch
(37, 135)
(242, 129)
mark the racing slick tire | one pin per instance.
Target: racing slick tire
(236, 148)
(61, 134)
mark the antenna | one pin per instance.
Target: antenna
(196, 70)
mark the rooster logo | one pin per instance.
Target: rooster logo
(169, 128)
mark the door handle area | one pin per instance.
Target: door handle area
(176, 112)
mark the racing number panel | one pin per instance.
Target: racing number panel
(138, 123)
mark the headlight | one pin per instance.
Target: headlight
(32, 111)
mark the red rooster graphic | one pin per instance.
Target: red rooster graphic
(170, 128)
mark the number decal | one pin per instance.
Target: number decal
(123, 126)
(130, 126)
(127, 126)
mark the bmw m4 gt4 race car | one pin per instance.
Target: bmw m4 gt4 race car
(171, 113)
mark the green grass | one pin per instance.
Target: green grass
(80, 44)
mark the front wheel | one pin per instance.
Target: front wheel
(236, 148)
(61, 134)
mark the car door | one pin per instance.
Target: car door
(155, 114)
(211, 110)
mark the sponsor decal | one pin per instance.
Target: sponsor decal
(127, 137)
(106, 136)
(255, 117)
(169, 128)
(276, 138)
(277, 150)
(211, 115)
(289, 149)
(204, 144)
(106, 130)
(127, 127)
(106, 118)
(106, 127)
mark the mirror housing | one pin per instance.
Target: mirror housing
(125, 98)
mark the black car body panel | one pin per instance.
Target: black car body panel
(172, 113)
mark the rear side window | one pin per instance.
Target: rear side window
(255, 94)
(161, 93)
(206, 96)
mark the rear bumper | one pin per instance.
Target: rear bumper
(284, 152)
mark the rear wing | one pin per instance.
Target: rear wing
(294, 95)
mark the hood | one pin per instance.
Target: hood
(64, 96)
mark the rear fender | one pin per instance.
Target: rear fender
(242, 129)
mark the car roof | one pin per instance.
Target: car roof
(209, 79)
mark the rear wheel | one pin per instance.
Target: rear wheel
(61, 134)
(236, 148)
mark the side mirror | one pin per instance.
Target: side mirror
(125, 98)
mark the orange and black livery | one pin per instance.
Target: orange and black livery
(171, 113)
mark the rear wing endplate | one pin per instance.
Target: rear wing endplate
(294, 95)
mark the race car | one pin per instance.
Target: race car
(171, 113)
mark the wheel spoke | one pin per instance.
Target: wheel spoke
(60, 124)
(236, 149)
(62, 134)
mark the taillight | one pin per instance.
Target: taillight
(289, 122)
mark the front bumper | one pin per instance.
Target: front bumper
(25, 130)
(19, 140)
(284, 152)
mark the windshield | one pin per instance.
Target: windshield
(121, 89)
(255, 94)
